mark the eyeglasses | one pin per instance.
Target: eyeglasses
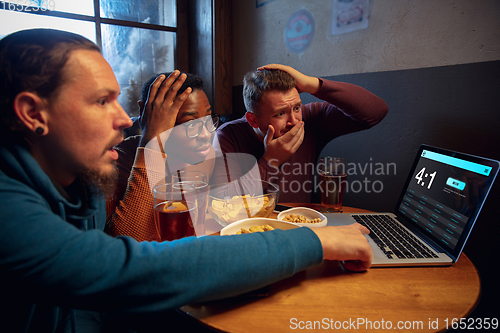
(194, 127)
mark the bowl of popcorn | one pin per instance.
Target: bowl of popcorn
(249, 198)
(303, 216)
(259, 224)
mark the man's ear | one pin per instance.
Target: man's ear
(141, 107)
(252, 119)
(30, 109)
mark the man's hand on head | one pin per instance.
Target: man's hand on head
(279, 150)
(160, 111)
(308, 84)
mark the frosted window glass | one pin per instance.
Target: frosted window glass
(83, 7)
(136, 54)
(15, 21)
(161, 12)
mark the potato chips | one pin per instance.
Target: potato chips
(241, 207)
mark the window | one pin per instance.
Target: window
(137, 37)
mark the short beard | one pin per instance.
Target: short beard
(103, 184)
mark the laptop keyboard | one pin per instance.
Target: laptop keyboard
(392, 239)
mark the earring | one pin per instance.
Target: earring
(39, 130)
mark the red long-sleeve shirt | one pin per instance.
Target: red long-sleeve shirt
(347, 108)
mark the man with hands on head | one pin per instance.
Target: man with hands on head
(177, 128)
(285, 136)
(59, 271)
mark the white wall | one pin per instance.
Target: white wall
(402, 34)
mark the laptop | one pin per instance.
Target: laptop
(435, 213)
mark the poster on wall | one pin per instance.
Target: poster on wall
(349, 15)
(299, 31)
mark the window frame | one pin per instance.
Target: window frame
(98, 20)
(201, 47)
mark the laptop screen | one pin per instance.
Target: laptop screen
(444, 194)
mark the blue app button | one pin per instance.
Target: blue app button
(455, 183)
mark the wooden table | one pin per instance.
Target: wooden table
(328, 297)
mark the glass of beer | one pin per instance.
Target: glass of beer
(175, 210)
(199, 180)
(332, 173)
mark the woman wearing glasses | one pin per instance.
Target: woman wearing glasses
(177, 131)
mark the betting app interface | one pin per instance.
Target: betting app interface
(443, 194)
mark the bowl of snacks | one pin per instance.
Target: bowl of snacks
(258, 224)
(240, 199)
(303, 216)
